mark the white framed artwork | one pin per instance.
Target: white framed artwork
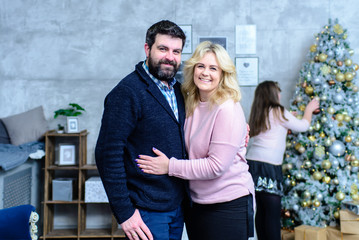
(247, 71)
(187, 29)
(67, 154)
(72, 125)
(246, 39)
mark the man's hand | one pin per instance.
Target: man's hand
(135, 228)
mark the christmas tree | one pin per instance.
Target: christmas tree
(321, 165)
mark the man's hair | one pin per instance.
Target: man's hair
(164, 27)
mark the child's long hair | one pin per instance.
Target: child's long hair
(265, 98)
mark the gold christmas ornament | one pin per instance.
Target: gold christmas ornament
(311, 138)
(326, 179)
(322, 134)
(297, 146)
(340, 77)
(306, 194)
(355, 88)
(304, 204)
(336, 181)
(316, 203)
(302, 107)
(331, 110)
(307, 164)
(293, 183)
(348, 62)
(347, 118)
(317, 175)
(301, 149)
(352, 157)
(348, 139)
(336, 214)
(348, 84)
(355, 196)
(332, 138)
(340, 196)
(355, 163)
(313, 48)
(309, 90)
(322, 57)
(339, 117)
(349, 76)
(356, 142)
(326, 164)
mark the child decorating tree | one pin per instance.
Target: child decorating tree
(269, 122)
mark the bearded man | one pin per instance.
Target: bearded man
(144, 110)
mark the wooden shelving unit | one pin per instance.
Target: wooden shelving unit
(79, 171)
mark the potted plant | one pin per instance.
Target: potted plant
(73, 111)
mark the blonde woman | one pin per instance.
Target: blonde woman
(215, 134)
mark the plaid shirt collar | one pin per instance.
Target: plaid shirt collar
(160, 84)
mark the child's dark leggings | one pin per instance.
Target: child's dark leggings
(268, 216)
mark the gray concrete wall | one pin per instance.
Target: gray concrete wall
(53, 52)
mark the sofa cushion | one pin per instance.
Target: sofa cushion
(4, 136)
(26, 127)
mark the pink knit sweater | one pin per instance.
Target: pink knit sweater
(215, 141)
(269, 146)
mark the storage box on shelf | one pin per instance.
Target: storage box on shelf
(56, 225)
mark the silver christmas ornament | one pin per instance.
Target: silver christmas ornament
(320, 196)
(338, 98)
(335, 163)
(317, 81)
(337, 148)
(296, 207)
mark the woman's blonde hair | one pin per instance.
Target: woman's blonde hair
(228, 87)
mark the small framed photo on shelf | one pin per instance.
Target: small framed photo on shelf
(247, 71)
(187, 29)
(67, 154)
(218, 40)
(72, 125)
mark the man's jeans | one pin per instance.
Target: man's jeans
(164, 225)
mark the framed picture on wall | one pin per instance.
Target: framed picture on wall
(219, 40)
(247, 71)
(246, 39)
(67, 154)
(187, 29)
(72, 125)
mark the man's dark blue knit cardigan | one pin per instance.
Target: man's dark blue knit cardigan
(136, 118)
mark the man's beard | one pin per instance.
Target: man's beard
(165, 74)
